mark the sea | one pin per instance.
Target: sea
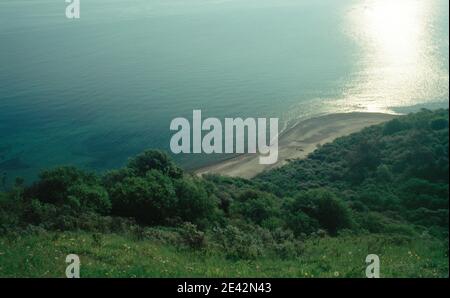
(97, 90)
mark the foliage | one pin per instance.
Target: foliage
(372, 191)
(71, 189)
(150, 199)
(400, 166)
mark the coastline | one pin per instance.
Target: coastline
(297, 142)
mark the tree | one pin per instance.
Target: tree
(150, 199)
(365, 158)
(393, 126)
(194, 204)
(90, 198)
(324, 206)
(71, 188)
(257, 206)
(438, 124)
(154, 160)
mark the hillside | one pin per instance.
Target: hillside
(383, 190)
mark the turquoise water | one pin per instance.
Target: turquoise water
(97, 90)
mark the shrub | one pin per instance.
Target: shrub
(286, 245)
(36, 213)
(53, 185)
(438, 124)
(163, 235)
(194, 204)
(393, 126)
(90, 198)
(191, 236)
(324, 206)
(289, 249)
(154, 160)
(237, 244)
(150, 199)
(71, 189)
(257, 206)
(301, 223)
(9, 212)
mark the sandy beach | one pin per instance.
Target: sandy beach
(298, 142)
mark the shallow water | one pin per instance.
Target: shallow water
(95, 91)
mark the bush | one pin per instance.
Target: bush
(257, 206)
(37, 213)
(194, 204)
(70, 189)
(10, 207)
(324, 206)
(375, 222)
(285, 245)
(236, 244)
(154, 160)
(300, 223)
(192, 237)
(90, 198)
(393, 126)
(163, 235)
(289, 249)
(150, 199)
(438, 124)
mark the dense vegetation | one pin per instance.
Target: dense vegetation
(383, 190)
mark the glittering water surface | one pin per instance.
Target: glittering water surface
(95, 91)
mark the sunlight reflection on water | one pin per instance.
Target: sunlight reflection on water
(400, 64)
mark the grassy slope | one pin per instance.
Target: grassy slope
(43, 255)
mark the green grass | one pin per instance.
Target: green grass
(111, 255)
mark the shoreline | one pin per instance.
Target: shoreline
(297, 142)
